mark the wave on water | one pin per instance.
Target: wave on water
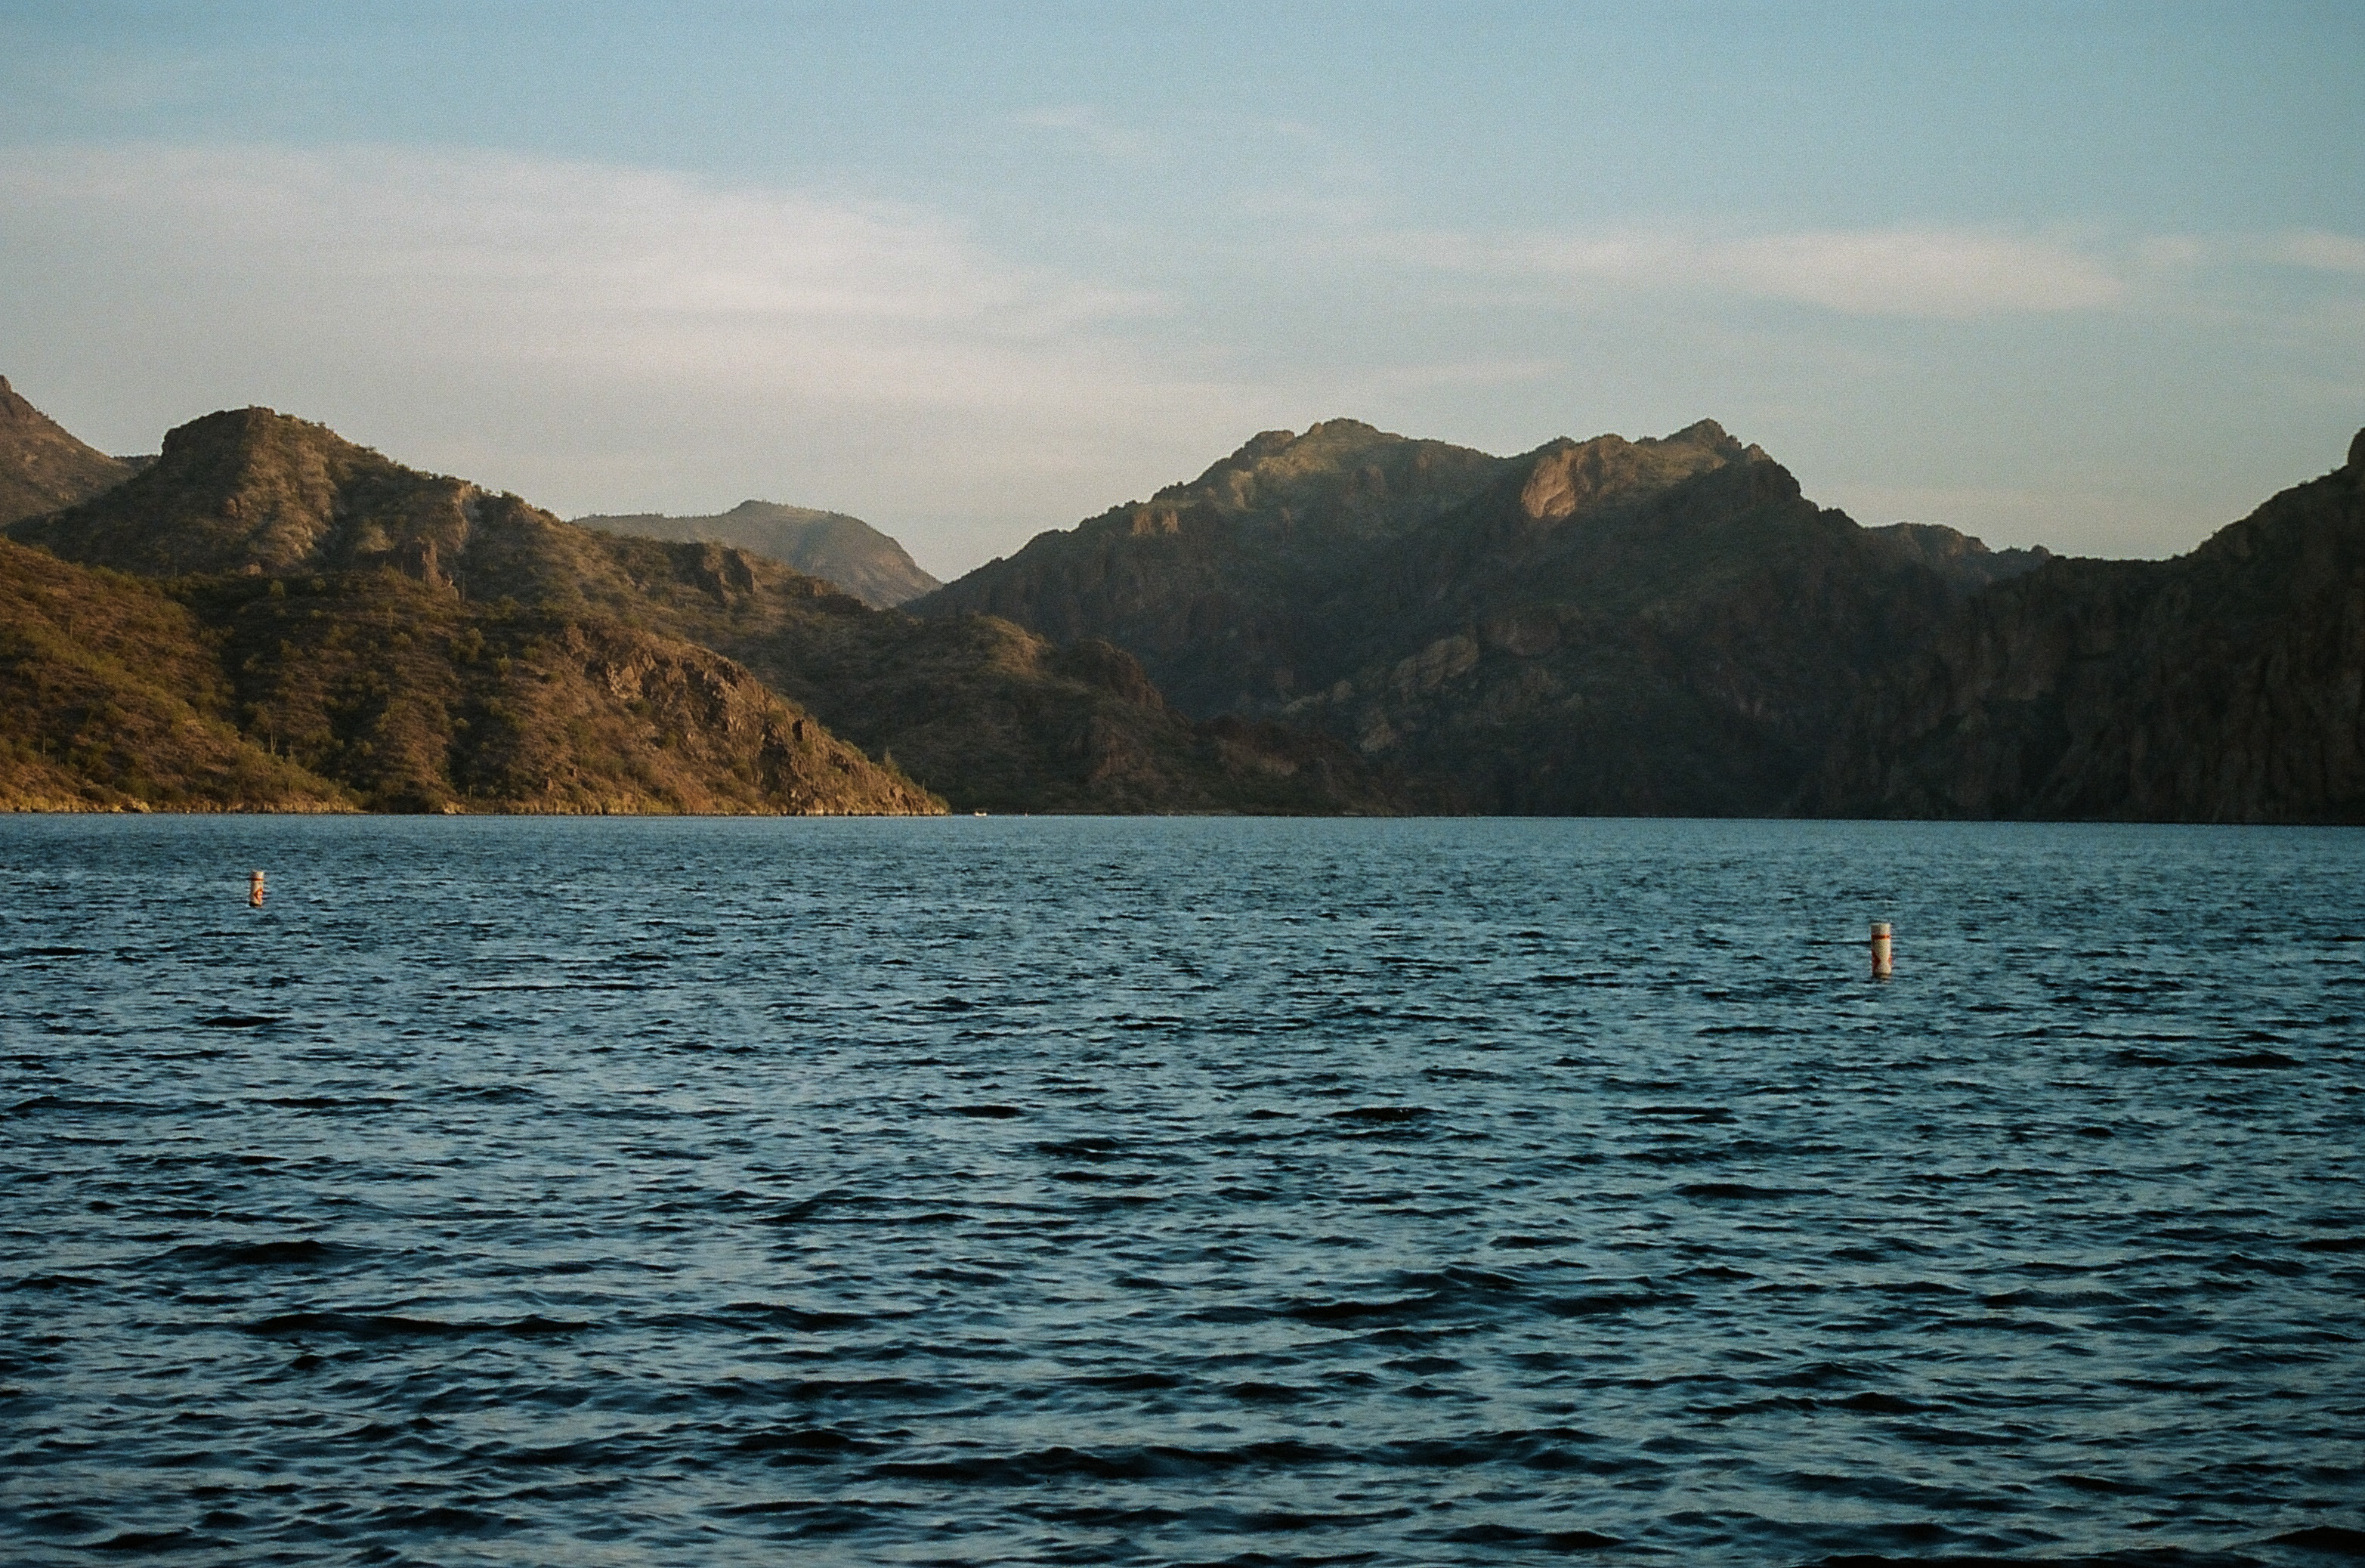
(1180, 1192)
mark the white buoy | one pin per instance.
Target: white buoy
(254, 889)
(1880, 954)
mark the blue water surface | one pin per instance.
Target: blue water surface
(1176, 1191)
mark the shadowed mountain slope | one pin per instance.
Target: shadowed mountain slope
(992, 716)
(1210, 583)
(41, 466)
(1609, 626)
(842, 549)
(2226, 685)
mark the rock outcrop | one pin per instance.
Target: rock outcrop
(992, 716)
(271, 617)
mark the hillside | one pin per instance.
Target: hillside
(425, 646)
(1658, 626)
(113, 697)
(41, 466)
(845, 551)
(2222, 685)
(429, 646)
(1210, 583)
(992, 716)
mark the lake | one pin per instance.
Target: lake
(1179, 1190)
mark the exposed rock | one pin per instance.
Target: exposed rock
(420, 703)
(1958, 555)
(1344, 621)
(427, 645)
(997, 718)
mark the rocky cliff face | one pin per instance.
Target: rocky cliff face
(255, 492)
(1659, 626)
(41, 466)
(415, 701)
(844, 551)
(2222, 685)
(1345, 620)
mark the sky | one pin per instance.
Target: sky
(2085, 276)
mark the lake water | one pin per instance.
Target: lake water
(960, 1191)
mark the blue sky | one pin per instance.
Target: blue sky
(2085, 275)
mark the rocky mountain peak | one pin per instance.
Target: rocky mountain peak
(254, 490)
(1345, 472)
(1276, 454)
(235, 427)
(1343, 429)
(1262, 444)
(1704, 432)
(1951, 550)
(2356, 450)
(1567, 477)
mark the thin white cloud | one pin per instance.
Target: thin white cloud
(1944, 273)
(1115, 142)
(483, 256)
(1920, 273)
(2307, 250)
(1509, 371)
(2323, 252)
(603, 338)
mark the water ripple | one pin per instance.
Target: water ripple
(1180, 1192)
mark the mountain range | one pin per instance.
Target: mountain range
(1649, 627)
(267, 616)
(348, 632)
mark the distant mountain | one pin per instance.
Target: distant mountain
(41, 466)
(2222, 686)
(840, 549)
(1610, 626)
(418, 643)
